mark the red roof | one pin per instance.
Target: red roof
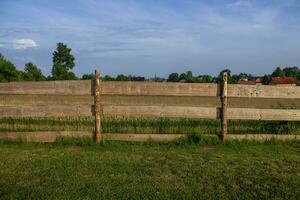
(283, 80)
(244, 82)
(258, 80)
(250, 82)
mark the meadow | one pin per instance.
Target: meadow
(190, 169)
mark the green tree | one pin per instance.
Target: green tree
(203, 79)
(278, 72)
(266, 79)
(33, 73)
(189, 76)
(230, 79)
(291, 71)
(183, 76)
(108, 78)
(63, 62)
(173, 77)
(8, 71)
(87, 76)
(122, 77)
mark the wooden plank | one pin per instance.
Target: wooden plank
(44, 136)
(85, 87)
(36, 100)
(263, 91)
(74, 87)
(142, 137)
(224, 107)
(233, 102)
(154, 88)
(162, 111)
(51, 136)
(45, 111)
(152, 111)
(98, 136)
(264, 114)
(263, 137)
(202, 112)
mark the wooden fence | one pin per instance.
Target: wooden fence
(97, 98)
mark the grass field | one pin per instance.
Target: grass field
(147, 125)
(81, 170)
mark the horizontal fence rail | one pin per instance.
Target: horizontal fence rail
(86, 87)
(147, 99)
(52, 136)
(151, 111)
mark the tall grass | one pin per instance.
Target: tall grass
(147, 125)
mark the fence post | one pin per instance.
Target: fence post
(98, 136)
(224, 106)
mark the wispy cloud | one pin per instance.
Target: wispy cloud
(175, 34)
(24, 43)
(240, 3)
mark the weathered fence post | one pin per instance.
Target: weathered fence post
(224, 106)
(98, 136)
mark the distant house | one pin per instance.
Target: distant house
(283, 81)
(245, 81)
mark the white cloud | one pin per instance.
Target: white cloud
(24, 43)
(240, 3)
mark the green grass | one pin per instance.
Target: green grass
(147, 125)
(115, 170)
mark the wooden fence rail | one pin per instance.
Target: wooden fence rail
(190, 100)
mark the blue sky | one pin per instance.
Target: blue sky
(157, 37)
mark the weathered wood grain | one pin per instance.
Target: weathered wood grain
(97, 103)
(203, 112)
(264, 114)
(263, 137)
(142, 137)
(45, 111)
(85, 87)
(76, 87)
(224, 107)
(153, 88)
(153, 111)
(44, 136)
(52, 136)
(133, 100)
(263, 91)
(36, 100)
(161, 111)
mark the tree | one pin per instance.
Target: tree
(8, 71)
(33, 73)
(182, 77)
(189, 77)
(63, 62)
(87, 76)
(203, 79)
(108, 78)
(122, 77)
(266, 79)
(291, 71)
(173, 77)
(230, 79)
(278, 72)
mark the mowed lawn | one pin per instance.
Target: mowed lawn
(150, 171)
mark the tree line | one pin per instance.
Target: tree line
(64, 62)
